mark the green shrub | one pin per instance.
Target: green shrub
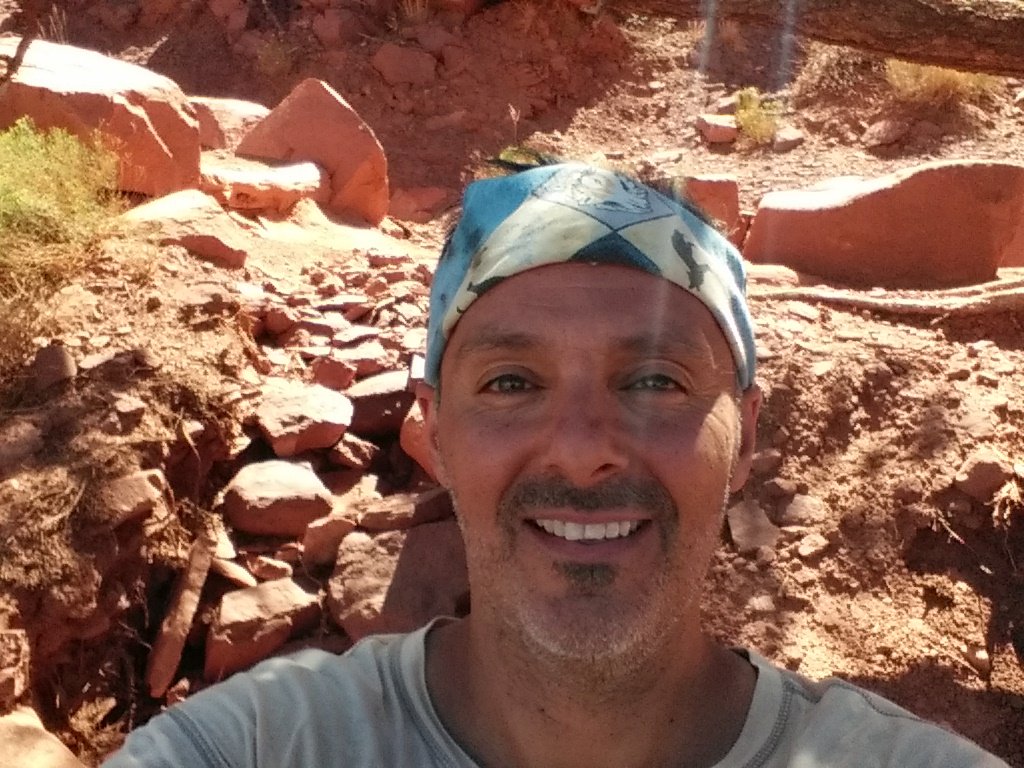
(757, 117)
(57, 200)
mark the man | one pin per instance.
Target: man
(591, 403)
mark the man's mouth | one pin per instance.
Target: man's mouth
(589, 531)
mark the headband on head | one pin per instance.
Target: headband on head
(577, 213)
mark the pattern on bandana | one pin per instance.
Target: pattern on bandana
(575, 213)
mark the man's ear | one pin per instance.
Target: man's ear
(426, 399)
(749, 408)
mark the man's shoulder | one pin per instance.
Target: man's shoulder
(833, 717)
(310, 707)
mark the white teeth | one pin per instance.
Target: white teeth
(574, 531)
(590, 531)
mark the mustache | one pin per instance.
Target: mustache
(548, 492)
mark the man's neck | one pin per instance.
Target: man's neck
(506, 707)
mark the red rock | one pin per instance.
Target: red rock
(935, 225)
(223, 123)
(275, 498)
(415, 441)
(14, 667)
(718, 195)
(369, 593)
(27, 743)
(267, 568)
(400, 64)
(232, 14)
(380, 403)
(163, 660)
(336, 26)
(404, 510)
(196, 221)
(787, 138)
(135, 496)
(369, 356)
(1013, 256)
(19, 439)
(718, 129)
(233, 572)
(295, 417)
(145, 115)
(323, 537)
(352, 451)
(750, 527)
(53, 364)
(418, 204)
(253, 623)
(885, 131)
(983, 473)
(333, 373)
(251, 185)
(315, 123)
(433, 38)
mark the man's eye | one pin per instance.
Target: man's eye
(507, 382)
(656, 382)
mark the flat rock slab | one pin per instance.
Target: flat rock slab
(252, 185)
(163, 660)
(276, 498)
(315, 123)
(195, 220)
(935, 225)
(253, 623)
(146, 116)
(295, 417)
(399, 580)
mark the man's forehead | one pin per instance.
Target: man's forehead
(605, 306)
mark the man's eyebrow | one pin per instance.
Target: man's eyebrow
(489, 340)
(667, 344)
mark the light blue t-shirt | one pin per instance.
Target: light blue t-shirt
(370, 709)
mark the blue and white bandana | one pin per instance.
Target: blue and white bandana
(576, 213)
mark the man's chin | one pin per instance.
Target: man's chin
(595, 635)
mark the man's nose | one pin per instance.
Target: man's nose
(585, 441)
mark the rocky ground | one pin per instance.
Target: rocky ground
(868, 544)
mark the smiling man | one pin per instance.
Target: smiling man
(591, 403)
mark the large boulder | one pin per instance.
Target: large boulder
(315, 123)
(275, 498)
(935, 225)
(145, 117)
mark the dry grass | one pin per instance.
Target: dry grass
(413, 12)
(56, 203)
(937, 86)
(757, 117)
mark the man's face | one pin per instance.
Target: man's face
(589, 429)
